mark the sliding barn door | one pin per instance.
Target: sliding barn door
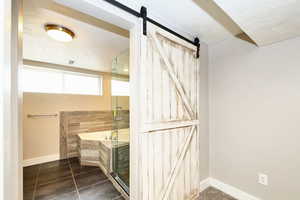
(169, 138)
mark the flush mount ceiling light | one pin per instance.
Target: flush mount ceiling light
(59, 33)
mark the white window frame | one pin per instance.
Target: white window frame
(63, 73)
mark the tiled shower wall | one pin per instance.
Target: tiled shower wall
(73, 123)
(121, 120)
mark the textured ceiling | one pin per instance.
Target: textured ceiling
(93, 48)
(184, 16)
(265, 21)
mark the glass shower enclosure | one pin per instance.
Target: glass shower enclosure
(121, 115)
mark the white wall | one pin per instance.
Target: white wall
(2, 95)
(10, 54)
(2, 8)
(255, 117)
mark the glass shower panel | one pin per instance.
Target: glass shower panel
(121, 113)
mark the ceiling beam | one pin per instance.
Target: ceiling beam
(220, 16)
(35, 63)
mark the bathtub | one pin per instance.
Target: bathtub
(95, 148)
(109, 138)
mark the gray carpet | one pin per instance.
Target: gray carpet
(214, 194)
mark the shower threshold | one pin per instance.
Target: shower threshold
(120, 182)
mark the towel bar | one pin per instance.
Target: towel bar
(44, 115)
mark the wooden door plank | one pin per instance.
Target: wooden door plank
(192, 155)
(171, 179)
(149, 78)
(151, 167)
(186, 77)
(177, 83)
(180, 176)
(143, 163)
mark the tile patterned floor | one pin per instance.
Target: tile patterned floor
(67, 180)
(214, 194)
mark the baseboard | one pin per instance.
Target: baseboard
(230, 190)
(204, 184)
(39, 160)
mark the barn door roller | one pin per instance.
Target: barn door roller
(143, 14)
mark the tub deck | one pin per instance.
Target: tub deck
(95, 148)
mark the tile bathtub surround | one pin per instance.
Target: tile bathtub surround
(67, 180)
(76, 122)
(94, 152)
(73, 123)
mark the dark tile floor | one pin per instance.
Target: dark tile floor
(214, 194)
(67, 180)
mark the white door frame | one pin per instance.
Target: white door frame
(11, 151)
(10, 125)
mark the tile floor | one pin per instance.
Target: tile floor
(214, 194)
(67, 180)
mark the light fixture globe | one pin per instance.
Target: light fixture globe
(59, 33)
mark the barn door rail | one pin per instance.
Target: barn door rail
(143, 14)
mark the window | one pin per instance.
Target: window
(44, 80)
(79, 84)
(119, 88)
(39, 80)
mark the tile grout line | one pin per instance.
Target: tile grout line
(76, 187)
(36, 183)
(80, 173)
(55, 179)
(100, 182)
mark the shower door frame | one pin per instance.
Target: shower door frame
(13, 97)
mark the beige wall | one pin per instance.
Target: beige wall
(41, 135)
(204, 131)
(120, 101)
(255, 117)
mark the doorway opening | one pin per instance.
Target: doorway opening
(76, 112)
